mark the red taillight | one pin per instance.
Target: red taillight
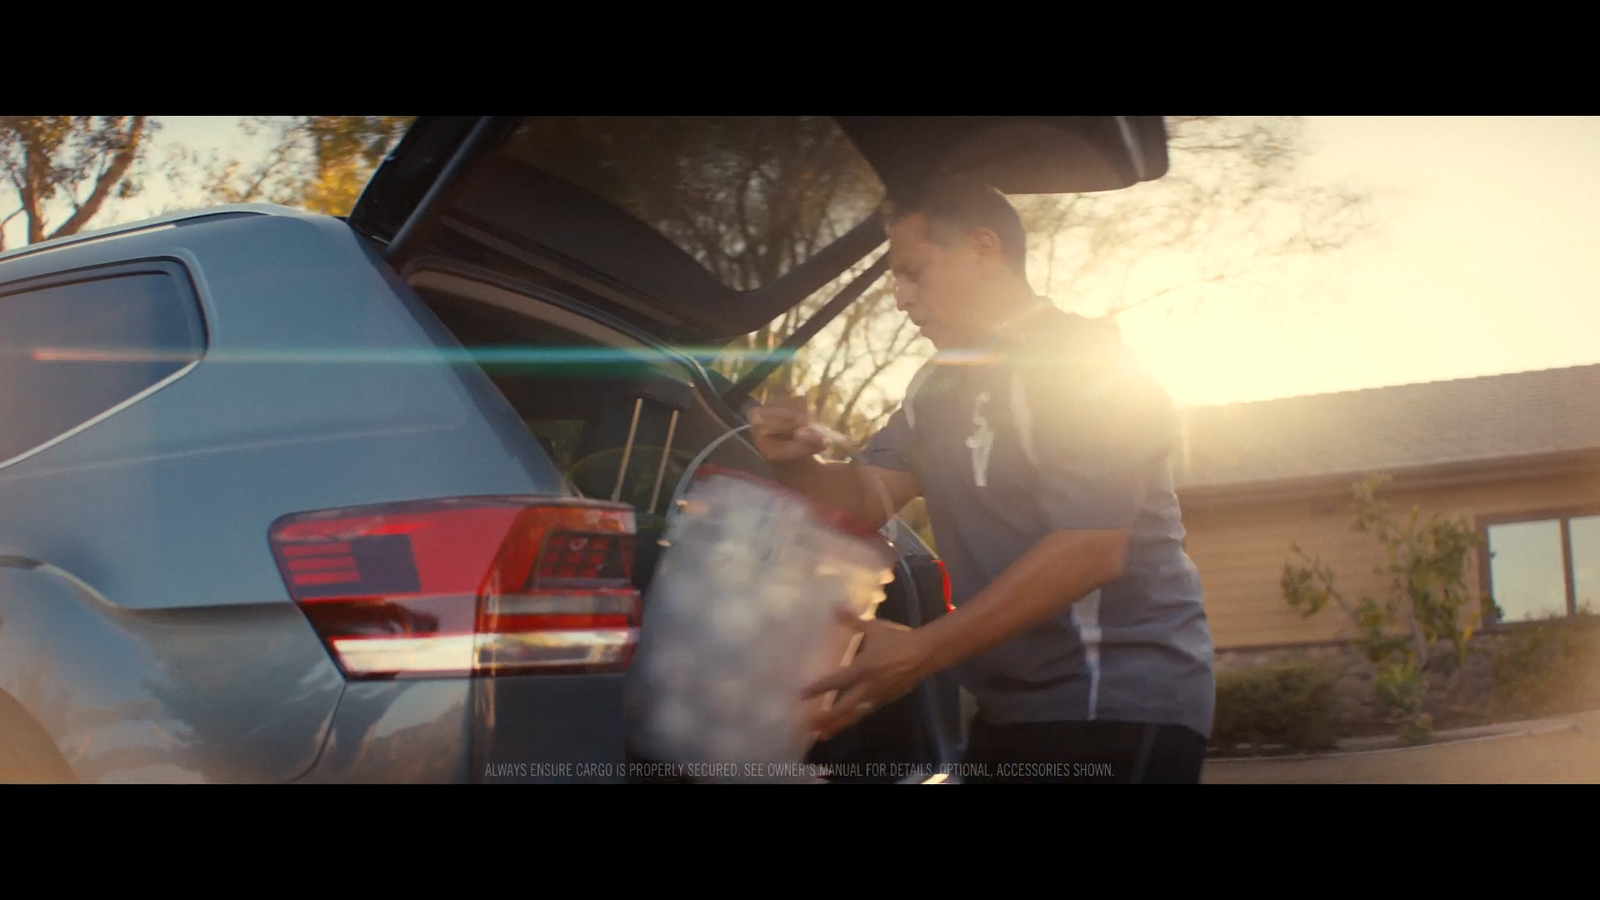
(944, 575)
(568, 556)
(477, 586)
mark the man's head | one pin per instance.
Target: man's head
(958, 255)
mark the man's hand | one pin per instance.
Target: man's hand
(781, 431)
(891, 661)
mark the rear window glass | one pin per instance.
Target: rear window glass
(748, 197)
(72, 351)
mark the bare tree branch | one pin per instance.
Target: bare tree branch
(1149, 298)
(120, 163)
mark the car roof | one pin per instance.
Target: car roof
(167, 220)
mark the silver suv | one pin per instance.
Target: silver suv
(287, 497)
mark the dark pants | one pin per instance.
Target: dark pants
(1097, 752)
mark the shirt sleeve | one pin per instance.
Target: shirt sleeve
(1099, 432)
(890, 448)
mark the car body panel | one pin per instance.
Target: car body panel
(299, 404)
(234, 694)
(143, 621)
(398, 732)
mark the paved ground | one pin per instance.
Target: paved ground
(1564, 750)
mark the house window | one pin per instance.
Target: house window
(1544, 568)
(1584, 538)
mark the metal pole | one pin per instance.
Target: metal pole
(666, 453)
(627, 452)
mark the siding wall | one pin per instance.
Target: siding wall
(1240, 549)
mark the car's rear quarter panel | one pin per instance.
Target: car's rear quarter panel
(162, 645)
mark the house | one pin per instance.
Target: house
(1518, 455)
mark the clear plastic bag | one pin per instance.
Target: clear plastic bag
(739, 619)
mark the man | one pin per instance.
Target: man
(1042, 452)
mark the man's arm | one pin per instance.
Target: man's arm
(856, 489)
(1058, 571)
(1061, 569)
(1097, 443)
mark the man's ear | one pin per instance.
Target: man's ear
(986, 244)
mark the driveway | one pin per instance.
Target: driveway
(1563, 750)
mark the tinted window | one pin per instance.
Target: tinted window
(71, 351)
(748, 197)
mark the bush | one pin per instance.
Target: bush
(1401, 635)
(1547, 667)
(1289, 704)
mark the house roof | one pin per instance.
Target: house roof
(1497, 417)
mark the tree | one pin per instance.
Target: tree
(1234, 201)
(70, 164)
(1401, 636)
(316, 163)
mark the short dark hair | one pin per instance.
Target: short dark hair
(965, 203)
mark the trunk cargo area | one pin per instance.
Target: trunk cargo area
(619, 423)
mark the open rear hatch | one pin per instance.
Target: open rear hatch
(697, 230)
(690, 233)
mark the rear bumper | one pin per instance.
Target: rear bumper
(552, 730)
(522, 730)
(526, 730)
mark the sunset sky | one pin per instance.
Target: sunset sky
(1486, 264)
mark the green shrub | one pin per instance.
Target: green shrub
(1290, 704)
(1405, 635)
(1547, 667)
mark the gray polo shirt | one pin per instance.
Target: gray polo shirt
(1054, 426)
